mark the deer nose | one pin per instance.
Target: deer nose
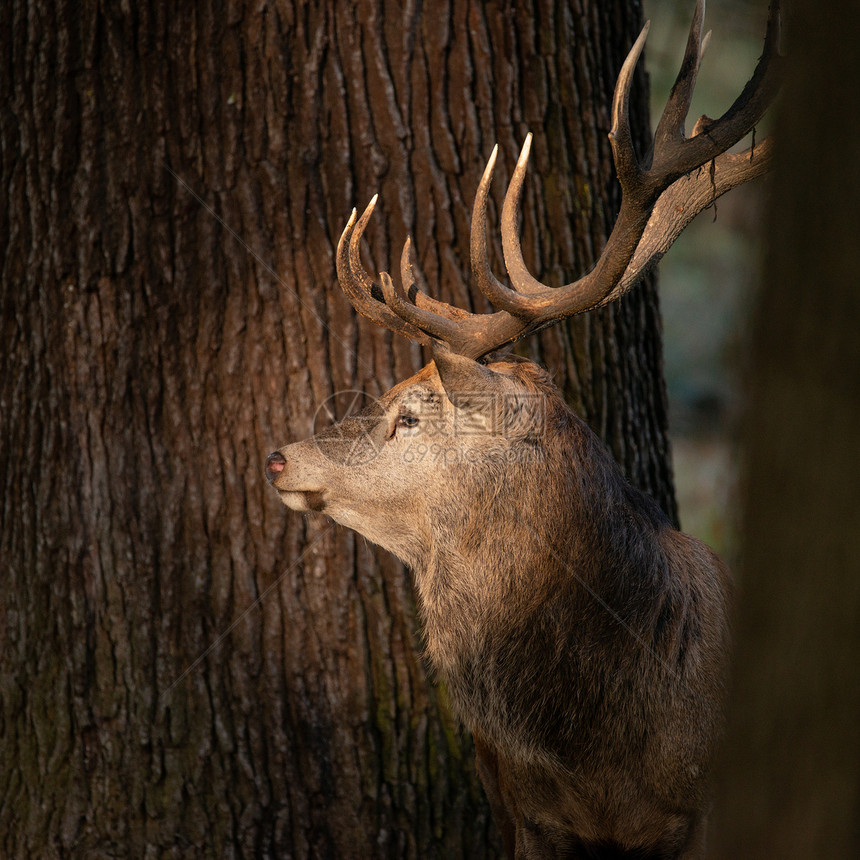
(275, 463)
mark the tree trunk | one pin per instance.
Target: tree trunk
(790, 783)
(187, 668)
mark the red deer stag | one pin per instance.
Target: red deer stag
(582, 639)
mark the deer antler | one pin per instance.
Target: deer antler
(660, 196)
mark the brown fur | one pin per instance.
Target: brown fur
(581, 638)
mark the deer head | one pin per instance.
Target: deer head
(661, 193)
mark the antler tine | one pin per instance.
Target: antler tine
(362, 291)
(357, 286)
(671, 125)
(429, 322)
(354, 248)
(415, 295)
(626, 165)
(501, 296)
(514, 264)
(407, 274)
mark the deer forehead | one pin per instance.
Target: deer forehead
(420, 399)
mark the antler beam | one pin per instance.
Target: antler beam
(660, 196)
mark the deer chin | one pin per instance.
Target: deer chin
(303, 501)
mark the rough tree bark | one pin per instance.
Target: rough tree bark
(790, 783)
(174, 180)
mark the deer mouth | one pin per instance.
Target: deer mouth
(303, 500)
(315, 500)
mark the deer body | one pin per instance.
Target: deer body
(582, 639)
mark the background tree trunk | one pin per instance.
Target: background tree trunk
(174, 181)
(791, 778)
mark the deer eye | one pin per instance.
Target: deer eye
(407, 421)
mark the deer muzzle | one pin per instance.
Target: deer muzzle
(275, 463)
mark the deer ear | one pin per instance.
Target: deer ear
(467, 383)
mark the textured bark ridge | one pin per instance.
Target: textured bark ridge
(174, 180)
